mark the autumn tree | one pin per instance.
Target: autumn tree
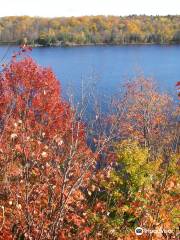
(44, 158)
(134, 192)
(137, 181)
(147, 115)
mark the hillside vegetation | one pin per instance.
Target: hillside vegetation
(91, 30)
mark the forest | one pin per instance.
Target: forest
(90, 30)
(63, 178)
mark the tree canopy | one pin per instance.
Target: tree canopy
(91, 30)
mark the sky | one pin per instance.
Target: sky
(58, 8)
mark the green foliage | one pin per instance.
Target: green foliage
(135, 171)
(122, 187)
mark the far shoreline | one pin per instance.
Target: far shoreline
(69, 44)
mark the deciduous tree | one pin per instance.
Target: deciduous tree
(44, 158)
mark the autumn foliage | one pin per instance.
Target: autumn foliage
(53, 185)
(43, 153)
(90, 30)
(147, 114)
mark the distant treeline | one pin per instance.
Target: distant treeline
(91, 30)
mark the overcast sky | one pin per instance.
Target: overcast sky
(53, 8)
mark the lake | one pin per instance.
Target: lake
(109, 66)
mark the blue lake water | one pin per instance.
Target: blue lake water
(109, 66)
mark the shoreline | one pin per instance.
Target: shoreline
(88, 44)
